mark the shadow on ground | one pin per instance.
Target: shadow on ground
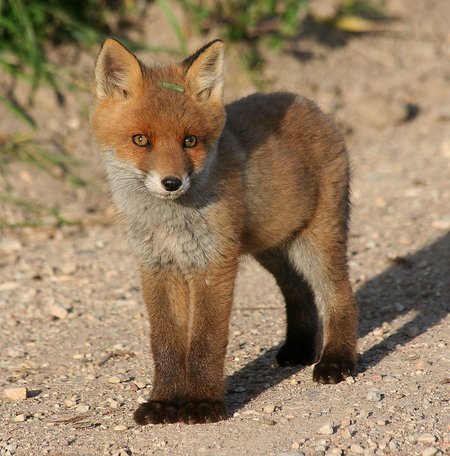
(417, 285)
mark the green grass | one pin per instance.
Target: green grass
(25, 149)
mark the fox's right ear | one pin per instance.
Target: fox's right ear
(117, 72)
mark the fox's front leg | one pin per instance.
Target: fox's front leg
(189, 319)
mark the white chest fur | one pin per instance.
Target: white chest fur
(160, 232)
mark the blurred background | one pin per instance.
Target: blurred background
(372, 64)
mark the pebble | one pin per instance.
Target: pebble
(119, 378)
(69, 403)
(269, 422)
(356, 449)
(57, 311)
(269, 409)
(16, 394)
(334, 452)
(120, 427)
(20, 418)
(326, 429)
(430, 451)
(426, 438)
(112, 403)
(81, 408)
(412, 331)
(373, 396)
(393, 445)
(141, 400)
(346, 434)
(239, 389)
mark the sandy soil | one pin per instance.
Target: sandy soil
(73, 329)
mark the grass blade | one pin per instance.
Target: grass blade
(18, 111)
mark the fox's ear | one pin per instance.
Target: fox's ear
(117, 71)
(204, 71)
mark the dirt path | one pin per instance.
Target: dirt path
(72, 319)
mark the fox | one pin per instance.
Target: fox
(200, 184)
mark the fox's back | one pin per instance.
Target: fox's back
(287, 142)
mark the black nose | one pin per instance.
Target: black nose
(171, 183)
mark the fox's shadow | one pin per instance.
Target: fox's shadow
(418, 285)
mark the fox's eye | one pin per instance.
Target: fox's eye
(140, 140)
(190, 141)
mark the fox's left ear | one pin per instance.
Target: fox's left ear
(204, 71)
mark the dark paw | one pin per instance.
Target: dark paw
(201, 412)
(292, 355)
(155, 412)
(333, 370)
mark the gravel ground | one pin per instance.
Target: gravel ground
(74, 333)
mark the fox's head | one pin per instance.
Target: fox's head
(159, 124)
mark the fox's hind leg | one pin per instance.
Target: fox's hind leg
(302, 323)
(320, 255)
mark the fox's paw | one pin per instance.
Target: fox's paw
(292, 355)
(333, 370)
(156, 412)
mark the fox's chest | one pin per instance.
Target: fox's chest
(172, 236)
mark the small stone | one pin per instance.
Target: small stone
(374, 396)
(20, 418)
(430, 451)
(239, 389)
(16, 394)
(426, 438)
(378, 332)
(412, 331)
(412, 438)
(346, 434)
(57, 311)
(422, 364)
(69, 403)
(350, 380)
(346, 422)
(141, 400)
(269, 409)
(81, 408)
(120, 427)
(326, 429)
(269, 422)
(140, 385)
(393, 445)
(399, 307)
(356, 449)
(112, 403)
(334, 452)
(115, 379)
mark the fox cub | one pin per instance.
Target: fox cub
(200, 184)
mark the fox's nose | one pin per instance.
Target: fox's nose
(171, 183)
